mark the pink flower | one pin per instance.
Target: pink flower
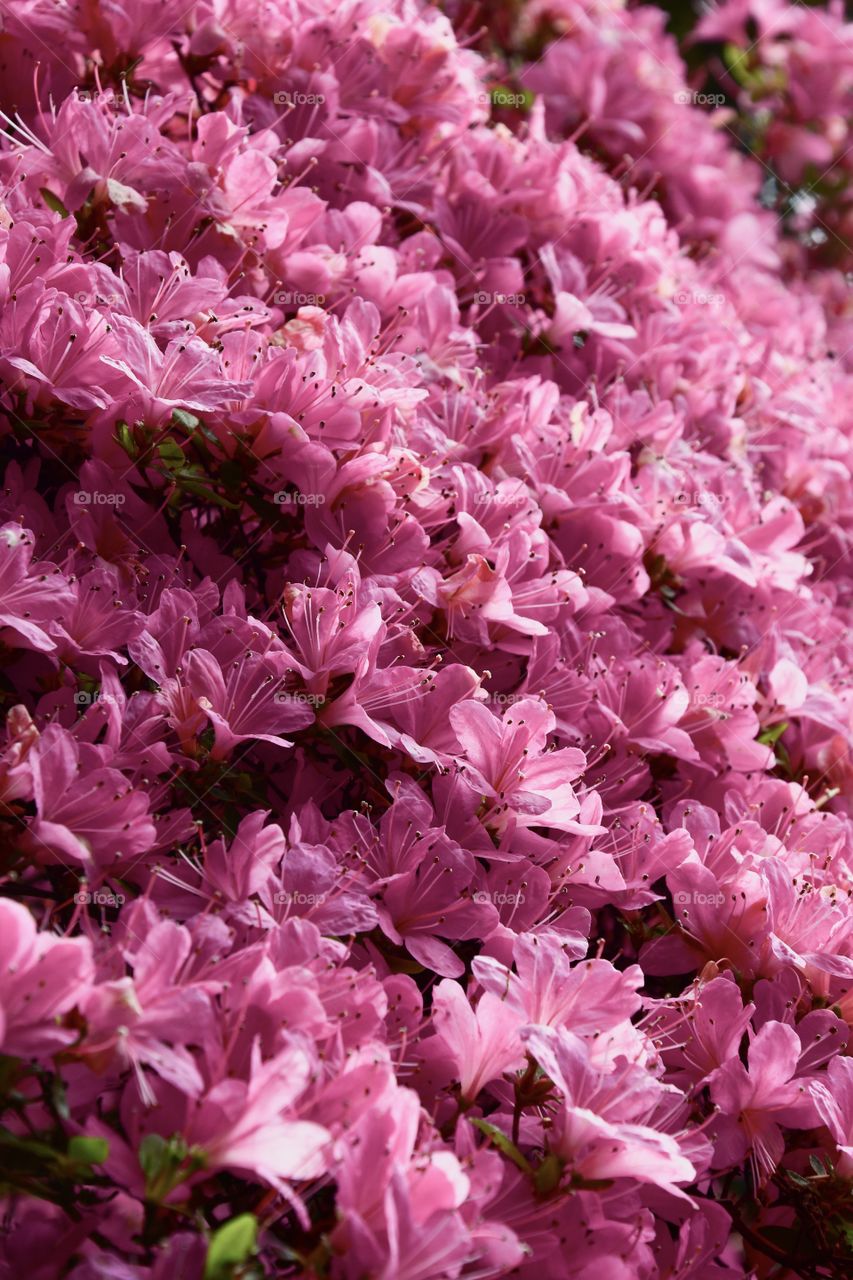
(244, 701)
(483, 1043)
(148, 1020)
(596, 1131)
(86, 812)
(42, 978)
(550, 990)
(755, 1100)
(64, 349)
(33, 597)
(425, 616)
(186, 375)
(833, 1098)
(506, 761)
(251, 1126)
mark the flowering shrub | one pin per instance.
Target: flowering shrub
(425, 607)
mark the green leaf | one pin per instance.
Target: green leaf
(773, 733)
(230, 1246)
(783, 760)
(124, 437)
(737, 64)
(152, 1154)
(171, 453)
(84, 1150)
(200, 488)
(499, 1139)
(183, 418)
(547, 1177)
(166, 1163)
(53, 202)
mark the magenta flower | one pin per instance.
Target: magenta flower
(599, 1131)
(833, 1100)
(506, 761)
(482, 1043)
(42, 978)
(756, 1100)
(251, 1126)
(425, 619)
(33, 597)
(186, 375)
(86, 812)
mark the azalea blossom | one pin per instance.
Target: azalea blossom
(426, 713)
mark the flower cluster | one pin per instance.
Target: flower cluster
(426, 796)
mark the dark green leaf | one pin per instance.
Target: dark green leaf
(171, 453)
